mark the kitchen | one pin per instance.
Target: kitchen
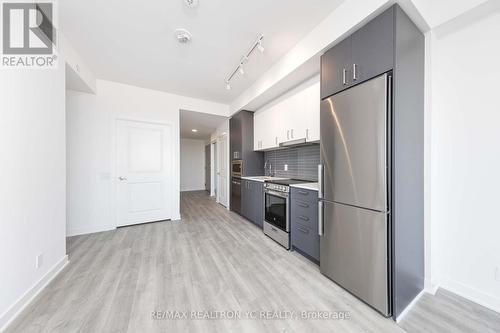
(338, 143)
(330, 170)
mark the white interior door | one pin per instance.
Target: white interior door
(223, 170)
(144, 172)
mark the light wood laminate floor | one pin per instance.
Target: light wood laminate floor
(213, 260)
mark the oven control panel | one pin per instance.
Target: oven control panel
(277, 187)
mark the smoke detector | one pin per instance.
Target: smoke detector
(183, 36)
(191, 3)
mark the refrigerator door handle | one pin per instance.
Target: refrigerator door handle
(320, 181)
(320, 218)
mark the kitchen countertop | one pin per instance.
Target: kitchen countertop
(307, 186)
(263, 179)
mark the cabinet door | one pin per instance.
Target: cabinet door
(235, 137)
(373, 48)
(334, 63)
(246, 197)
(258, 130)
(258, 201)
(311, 112)
(274, 129)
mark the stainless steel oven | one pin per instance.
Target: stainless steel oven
(276, 213)
(236, 168)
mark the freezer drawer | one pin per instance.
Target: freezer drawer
(354, 144)
(354, 252)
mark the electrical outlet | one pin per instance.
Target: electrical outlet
(286, 167)
(39, 261)
(497, 273)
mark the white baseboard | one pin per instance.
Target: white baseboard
(472, 294)
(89, 230)
(408, 308)
(431, 286)
(8, 317)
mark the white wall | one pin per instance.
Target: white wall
(91, 130)
(32, 177)
(192, 165)
(466, 158)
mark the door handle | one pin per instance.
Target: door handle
(344, 75)
(320, 218)
(354, 72)
(122, 178)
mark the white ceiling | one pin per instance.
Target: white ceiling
(133, 41)
(203, 122)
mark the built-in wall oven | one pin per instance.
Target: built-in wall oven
(276, 213)
(236, 168)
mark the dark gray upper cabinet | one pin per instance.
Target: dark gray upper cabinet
(363, 55)
(252, 201)
(241, 144)
(373, 48)
(335, 65)
(235, 135)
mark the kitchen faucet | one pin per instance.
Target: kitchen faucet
(266, 164)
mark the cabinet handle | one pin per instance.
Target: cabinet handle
(304, 218)
(304, 192)
(344, 74)
(354, 72)
(291, 133)
(276, 140)
(288, 134)
(307, 134)
(303, 205)
(304, 230)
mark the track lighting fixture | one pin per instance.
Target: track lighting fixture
(244, 59)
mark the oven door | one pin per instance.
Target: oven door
(276, 209)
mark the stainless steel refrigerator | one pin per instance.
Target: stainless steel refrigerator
(354, 192)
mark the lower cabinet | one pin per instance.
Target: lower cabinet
(304, 222)
(252, 201)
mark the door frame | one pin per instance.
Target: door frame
(219, 150)
(174, 165)
(213, 164)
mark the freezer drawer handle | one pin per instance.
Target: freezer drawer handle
(304, 230)
(304, 218)
(303, 205)
(320, 218)
(304, 192)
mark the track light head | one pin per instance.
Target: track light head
(228, 86)
(241, 69)
(260, 47)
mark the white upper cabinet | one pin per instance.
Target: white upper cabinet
(292, 118)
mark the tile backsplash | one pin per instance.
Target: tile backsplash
(302, 162)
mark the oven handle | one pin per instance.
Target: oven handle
(278, 194)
